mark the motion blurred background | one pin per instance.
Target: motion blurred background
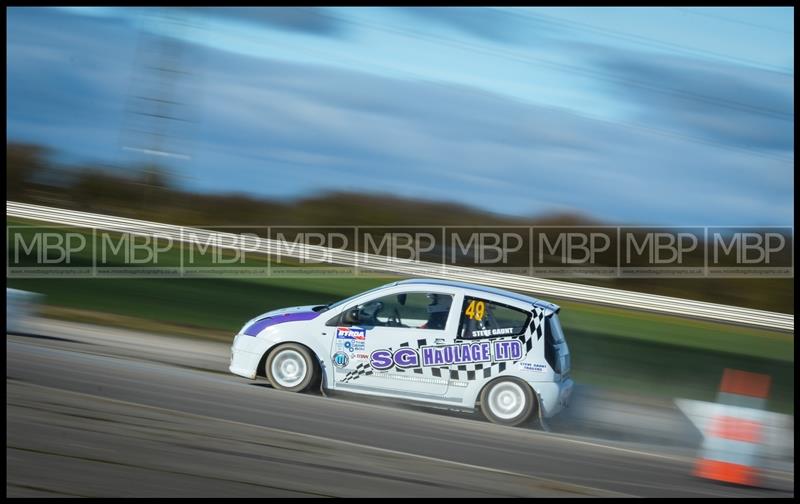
(417, 116)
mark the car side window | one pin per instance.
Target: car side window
(415, 310)
(487, 319)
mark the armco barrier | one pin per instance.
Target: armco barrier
(536, 286)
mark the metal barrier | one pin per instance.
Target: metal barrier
(535, 286)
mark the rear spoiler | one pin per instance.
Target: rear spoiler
(549, 308)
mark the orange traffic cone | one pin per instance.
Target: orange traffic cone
(733, 435)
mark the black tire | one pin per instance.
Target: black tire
(497, 393)
(289, 353)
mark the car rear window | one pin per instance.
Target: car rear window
(486, 319)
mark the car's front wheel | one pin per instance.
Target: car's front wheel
(291, 367)
(507, 401)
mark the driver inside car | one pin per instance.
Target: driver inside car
(438, 309)
(368, 313)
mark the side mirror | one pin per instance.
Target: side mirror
(350, 316)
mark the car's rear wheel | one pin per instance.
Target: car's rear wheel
(507, 401)
(291, 367)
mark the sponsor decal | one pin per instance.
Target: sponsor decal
(340, 359)
(531, 366)
(446, 355)
(464, 353)
(354, 345)
(493, 332)
(381, 359)
(406, 358)
(361, 356)
(351, 333)
(507, 350)
(475, 310)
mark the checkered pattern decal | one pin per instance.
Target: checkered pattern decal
(461, 372)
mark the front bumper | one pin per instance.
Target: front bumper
(245, 356)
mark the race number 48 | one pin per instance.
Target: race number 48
(475, 310)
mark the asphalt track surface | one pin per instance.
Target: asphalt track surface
(101, 412)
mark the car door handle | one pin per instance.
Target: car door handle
(439, 341)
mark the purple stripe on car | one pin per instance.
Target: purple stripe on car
(262, 324)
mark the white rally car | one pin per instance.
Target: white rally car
(443, 343)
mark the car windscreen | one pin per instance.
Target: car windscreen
(343, 301)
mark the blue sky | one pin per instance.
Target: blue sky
(631, 115)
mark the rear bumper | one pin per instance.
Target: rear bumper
(553, 397)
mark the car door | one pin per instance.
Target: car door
(379, 350)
